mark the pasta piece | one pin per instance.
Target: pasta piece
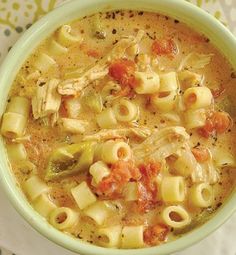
(34, 187)
(20, 105)
(125, 110)
(16, 152)
(99, 170)
(56, 48)
(66, 38)
(197, 97)
(173, 189)
(63, 218)
(147, 82)
(168, 82)
(176, 216)
(110, 237)
(83, 195)
(195, 118)
(189, 79)
(43, 205)
(164, 101)
(132, 237)
(13, 125)
(27, 167)
(98, 211)
(106, 119)
(201, 195)
(131, 191)
(73, 126)
(44, 62)
(133, 50)
(112, 151)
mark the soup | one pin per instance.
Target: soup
(120, 132)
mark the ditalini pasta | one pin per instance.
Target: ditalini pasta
(119, 133)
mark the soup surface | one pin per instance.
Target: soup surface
(120, 129)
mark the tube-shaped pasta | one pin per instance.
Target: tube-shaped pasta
(66, 38)
(195, 118)
(106, 119)
(34, 187)
(189, 79)
(132, 237)
(201, 195)
(63, 218)
(20, 105)
(16, 151)
(110, 236)
(168, 82)
(83, 195)
(173, 189)
(131, 191)
(73, 126)
(44, 62)
(147, 82)
(164, 101)
(125, 110)
(56, 48)
(43, 205)
(13, 125)
(98, 211)
(197, 97)
(99, 170)
(112, 151)
(176, 216)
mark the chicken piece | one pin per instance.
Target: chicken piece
(122, 133)
(161, 144)
(207, 172)
(100, 70)
(46, 100)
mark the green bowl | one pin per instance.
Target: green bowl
(178, 9)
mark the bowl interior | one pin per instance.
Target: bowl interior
(178, 9)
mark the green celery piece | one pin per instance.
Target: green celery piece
(70, 160)
(93, 101)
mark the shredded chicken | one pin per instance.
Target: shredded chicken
(46, 101)
(195, 60)
(122, 133)
(161, 144)
(207, 172)
(100, 70)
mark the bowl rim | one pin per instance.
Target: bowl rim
(44, 27)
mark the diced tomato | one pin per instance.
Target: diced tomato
(147, 189)
(218, 92)
(164, 47)
(221, 121)
(150, 170)
(93, 53)
(121, 172)
(218, 122)
(201, 154)
(156, 234)
(122, 70)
